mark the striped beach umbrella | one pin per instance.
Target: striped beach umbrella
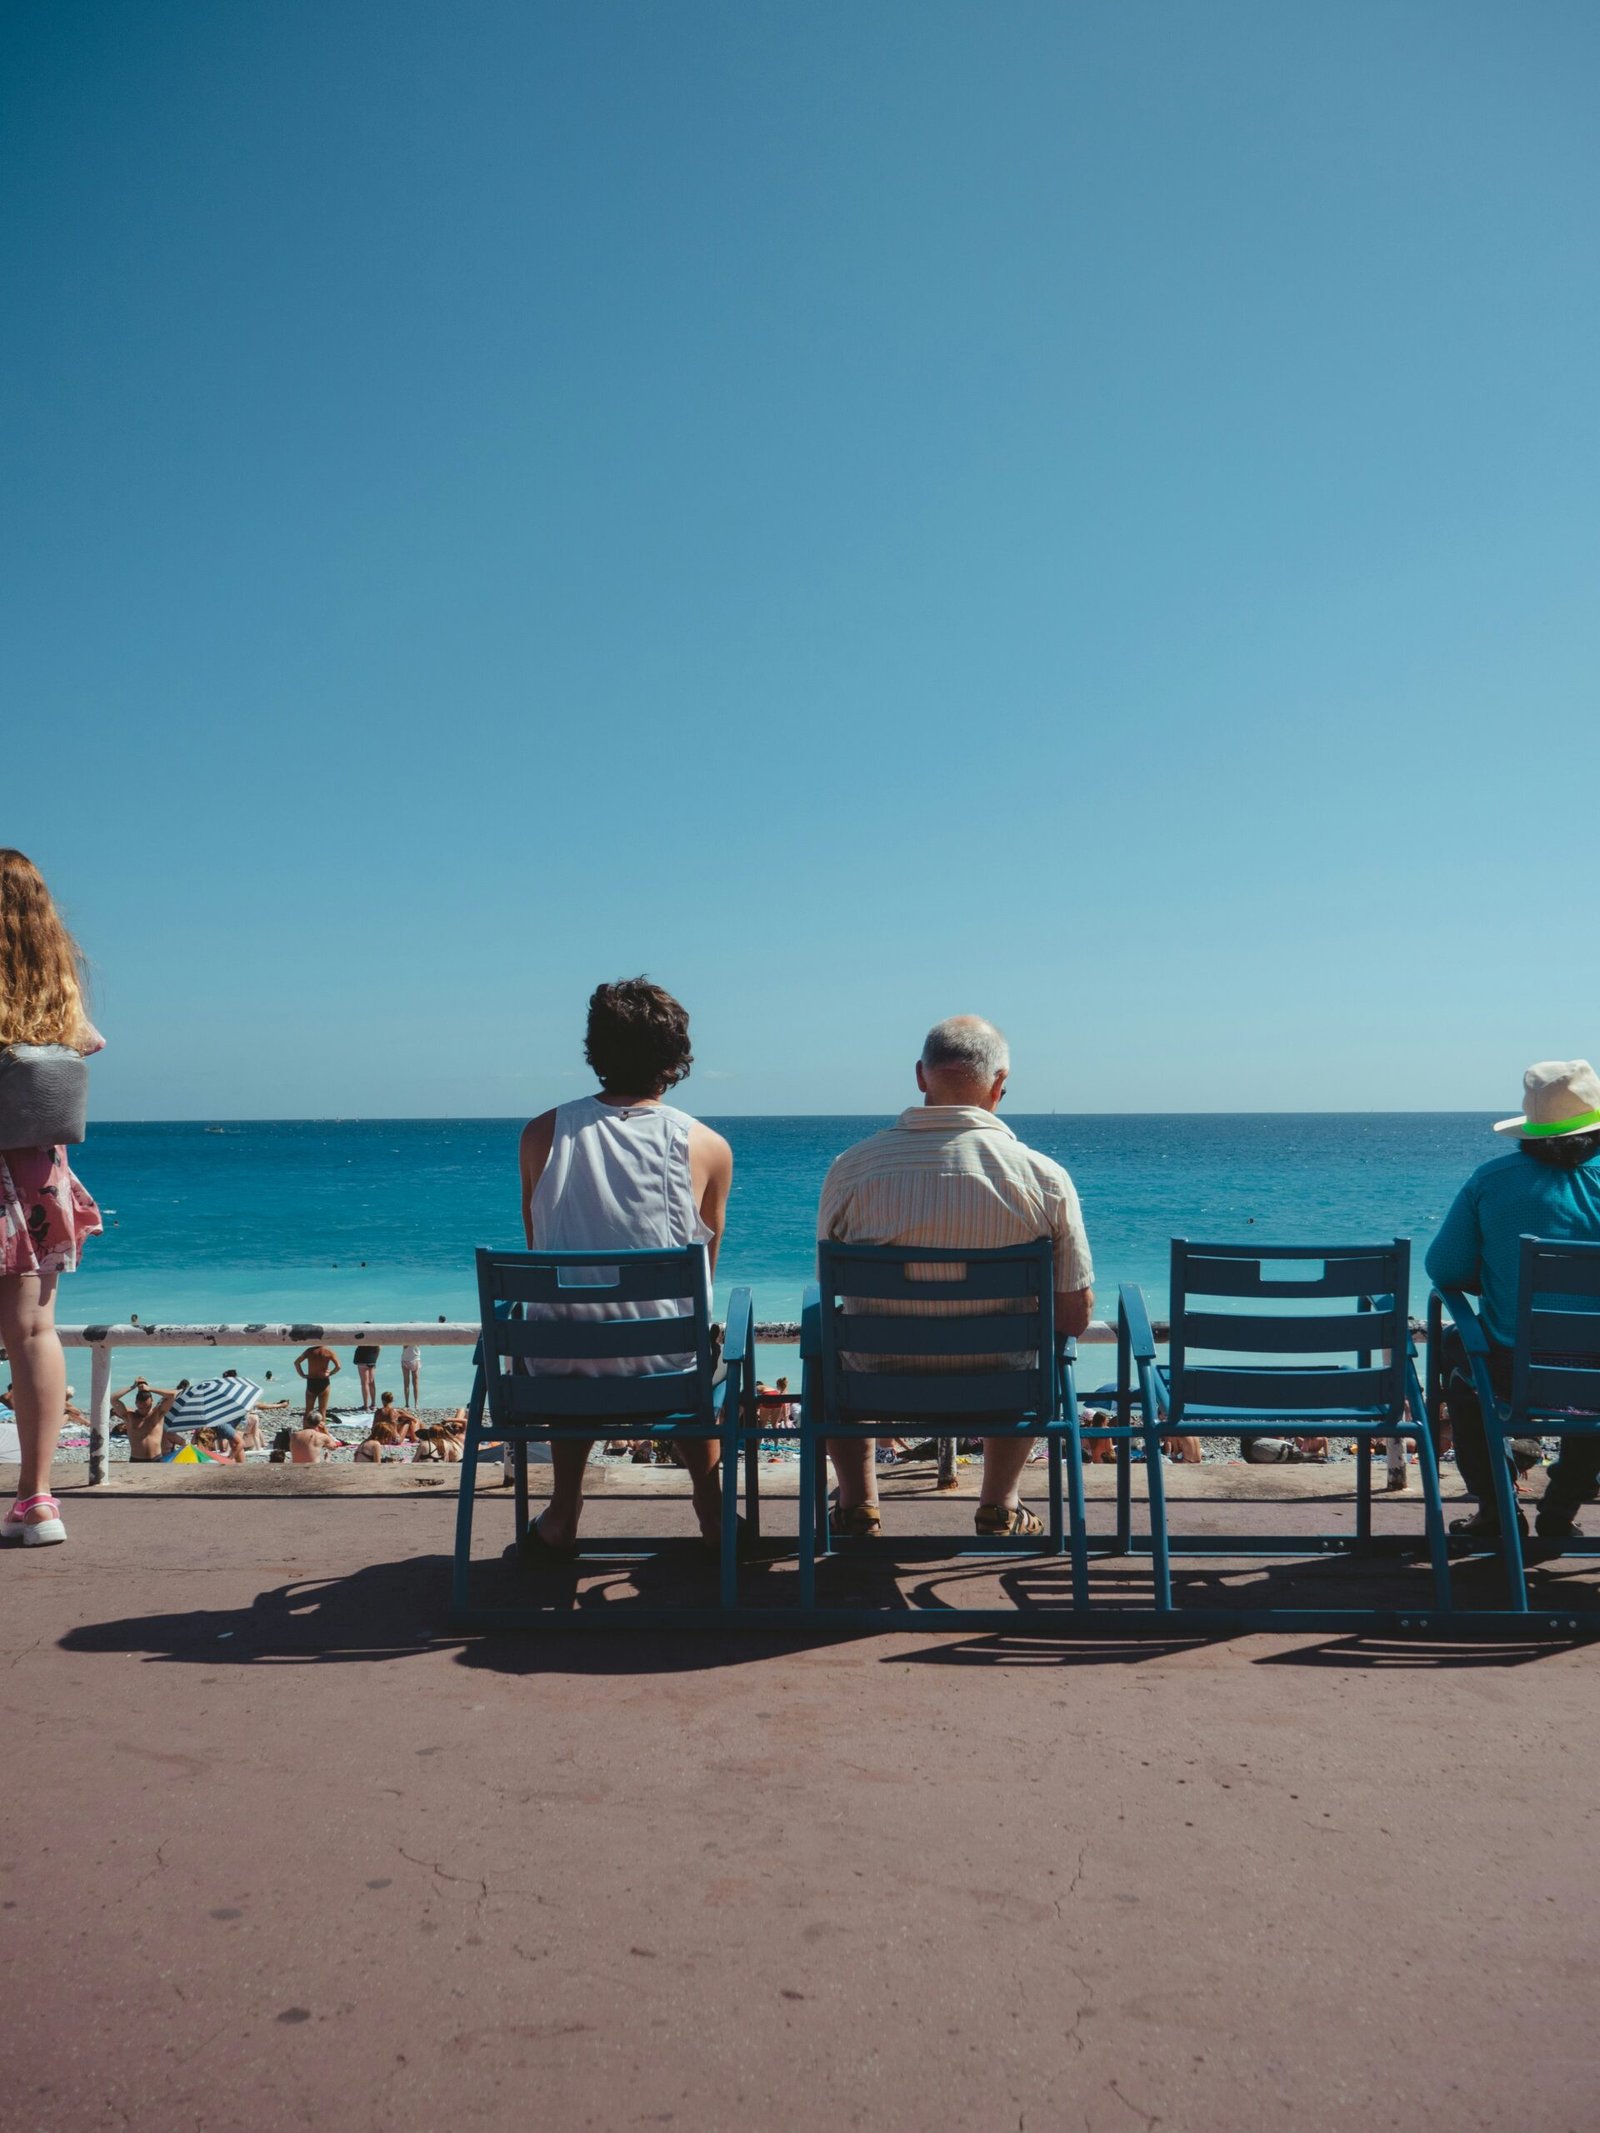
(213, 1402)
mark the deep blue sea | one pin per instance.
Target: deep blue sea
(374, 1219)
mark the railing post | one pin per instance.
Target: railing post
(99, 1411)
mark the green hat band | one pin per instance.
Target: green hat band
(1581, 1124)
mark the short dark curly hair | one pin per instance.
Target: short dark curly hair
(637, 1040)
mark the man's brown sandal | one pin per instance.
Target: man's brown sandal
(996, 1521)
(863, 1521)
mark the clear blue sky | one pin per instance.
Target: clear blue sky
(1089, 514)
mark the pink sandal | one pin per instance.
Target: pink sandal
(17, 1532)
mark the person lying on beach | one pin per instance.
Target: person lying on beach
(144, 1418)
(311, 1444)
(383, 1440)
(220, 1445)
(625, 1170)
(1184, 1451)
(319, 1366)
(948, 1174)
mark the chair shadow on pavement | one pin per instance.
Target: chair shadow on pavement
(399, 1610)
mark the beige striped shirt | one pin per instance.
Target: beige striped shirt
(949, 1175)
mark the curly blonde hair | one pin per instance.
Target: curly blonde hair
(41, 970)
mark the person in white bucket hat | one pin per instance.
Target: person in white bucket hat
(1549, 1186)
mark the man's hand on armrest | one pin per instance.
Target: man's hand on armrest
(1074, 1310)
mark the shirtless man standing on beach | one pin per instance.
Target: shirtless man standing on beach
(144, 1418)
(318, 1366)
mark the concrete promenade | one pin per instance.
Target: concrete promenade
(278, 1850)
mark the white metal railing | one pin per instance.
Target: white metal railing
(104, 1341)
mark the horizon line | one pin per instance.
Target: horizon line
(500, 1118)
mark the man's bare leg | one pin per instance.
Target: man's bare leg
(856, 1470)
(1003, 1461)
(558, 1521)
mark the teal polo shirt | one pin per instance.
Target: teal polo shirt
(1479, 1245)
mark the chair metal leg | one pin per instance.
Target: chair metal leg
(808, 1528)
(1058, 1531)
(730, 1510)
(752, 1484)
(1433, 1518)
(1160, 1559)
(1079, 1527)
(1124, 1495)
(819, 1497)
(1510, 1539)
(519, 1466)
(466, 1499)
(1363, 1495)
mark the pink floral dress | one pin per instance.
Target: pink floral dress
(45, 1213)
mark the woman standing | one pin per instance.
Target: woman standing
(45, 1214)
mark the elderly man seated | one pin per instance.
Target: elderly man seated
(1549, 1186)
(949, 1174)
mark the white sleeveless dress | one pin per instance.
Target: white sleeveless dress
(617, 1178)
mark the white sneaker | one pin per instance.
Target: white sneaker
(17, 1531)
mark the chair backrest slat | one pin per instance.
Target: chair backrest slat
(951, 1324)
(969, 1279)
(1251, 1333)
(1239, 1270)
(662, 1396)
(1550, 1389)
(570, 1278)
(1564, 1333)
(1012, 1333)
(576, 1339)
(1376, 1277)
(1283, 1392)
(883, 1395)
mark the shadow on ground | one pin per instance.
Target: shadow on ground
(399, 1610)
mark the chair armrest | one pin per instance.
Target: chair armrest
(811, 1324)
(1135, 1321)
(1473, 1338)
(738, 1340)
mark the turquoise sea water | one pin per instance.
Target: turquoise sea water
(377, 1219)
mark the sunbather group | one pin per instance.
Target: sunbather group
(624, 1170)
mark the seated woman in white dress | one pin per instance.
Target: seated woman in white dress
(624, 1171)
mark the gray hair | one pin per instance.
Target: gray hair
(967, 1046)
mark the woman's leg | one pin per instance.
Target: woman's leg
(38, 1376)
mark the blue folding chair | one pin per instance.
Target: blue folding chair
(991, 1304)
(539, 1309)
(1340, 1386)
(1555, 1375)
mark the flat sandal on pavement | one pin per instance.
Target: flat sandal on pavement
(997, 1521)
(863, 1521)
(16, 1530)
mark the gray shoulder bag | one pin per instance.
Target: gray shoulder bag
(44, 1095)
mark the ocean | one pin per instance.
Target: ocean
(348, 1219)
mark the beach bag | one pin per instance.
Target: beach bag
(44, 1095)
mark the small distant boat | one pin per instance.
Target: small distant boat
(216, 1129)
